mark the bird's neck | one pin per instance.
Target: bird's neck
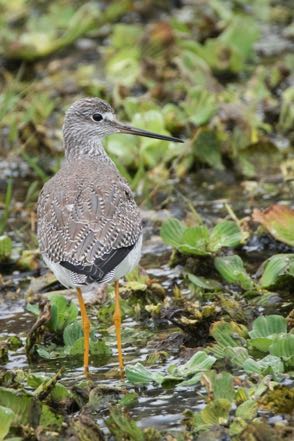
(81, 147)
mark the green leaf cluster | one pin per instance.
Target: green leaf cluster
(268, 336)
(186, 375)
(275, 269)
(63, 321)
(229, 51)
(199, 240)
(218, 410)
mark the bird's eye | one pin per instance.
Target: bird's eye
(97, 117)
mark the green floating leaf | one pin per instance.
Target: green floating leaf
(195, 241)
(125, 35)
(186, 383)
(63, 312)
(252, 366)
(200, 106)
(207, 148)
(25, 407)
(265, 329)
(237, 426)
(275, 268)
(197, 363)
(194, 368)
(225, 234)
(138, 374)
(231, 268)
(77, 348)
(124, 66)
(129, 400)
(228, 334)
(247, 410)
(266, 326)
(60, 393)
(122, 427)
(237, 355)
(48, 355)
(6, 418)
(172, 232)
(74, 342)
(214, 414)
(203, 283)
(99, 348)
(267, 365)
(229, 51)
(199, 240)
(33, 308)
(72, 333)
(261, 343)
(49, 418)
(221, 385)
(283, 346)
(58, 28)
(187, 240)
(35, 380)
(240, 35)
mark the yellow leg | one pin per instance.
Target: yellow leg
(86, 330)
(117, 323)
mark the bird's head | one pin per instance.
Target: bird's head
(92, 119)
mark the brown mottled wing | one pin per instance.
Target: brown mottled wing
(87, 218)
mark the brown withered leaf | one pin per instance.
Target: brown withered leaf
(279, 221)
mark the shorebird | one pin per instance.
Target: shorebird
(89, 226)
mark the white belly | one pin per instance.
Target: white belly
(130, 261)
(67, 278)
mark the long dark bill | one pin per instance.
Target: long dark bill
(140, 132)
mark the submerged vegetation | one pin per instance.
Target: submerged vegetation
(208, 319)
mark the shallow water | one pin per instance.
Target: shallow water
(156, 407)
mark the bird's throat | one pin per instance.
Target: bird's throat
(81, 148)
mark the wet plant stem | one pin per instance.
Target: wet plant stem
(7, 203)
